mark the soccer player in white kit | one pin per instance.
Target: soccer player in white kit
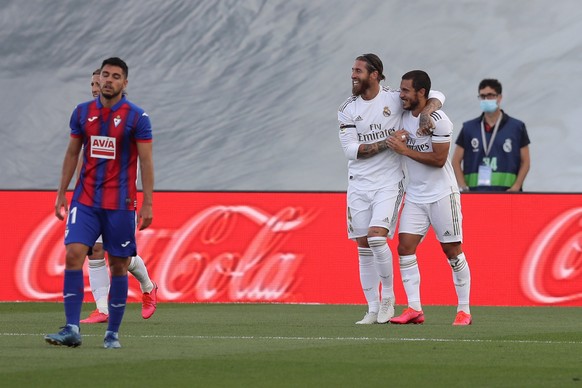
(432, 198)
(375, 178)
(98, 273)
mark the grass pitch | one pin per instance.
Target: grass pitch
(276, 345)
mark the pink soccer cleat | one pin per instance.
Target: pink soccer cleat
(96, 316)
(149, 302)
(409, 316)
(462, 319)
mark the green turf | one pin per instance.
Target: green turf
(272, 345)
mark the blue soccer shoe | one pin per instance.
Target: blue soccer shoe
(111, 340)
(68, 336)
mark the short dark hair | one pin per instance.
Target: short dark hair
(492, 83)
(97, 72)
(373, 63)
(420, 80)
(115, 61)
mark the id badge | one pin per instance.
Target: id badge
(484, 176)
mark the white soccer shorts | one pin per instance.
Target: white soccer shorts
(444, 215)
(373, 208)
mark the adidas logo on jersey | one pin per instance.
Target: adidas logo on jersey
(359, 118)
(447, 234)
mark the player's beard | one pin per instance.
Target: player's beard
(111, 96)
(362, 86)
(410, 104)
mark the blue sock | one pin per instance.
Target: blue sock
(73, 292)
(117, 301)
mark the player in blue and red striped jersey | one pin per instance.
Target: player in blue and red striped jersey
(98, 273)
(113, 133)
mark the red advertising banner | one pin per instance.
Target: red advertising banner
(523, 249)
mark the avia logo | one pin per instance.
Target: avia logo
(103, 147)
(91, 119)
(125, 244)
(145, 114)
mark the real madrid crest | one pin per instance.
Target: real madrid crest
(386, 111)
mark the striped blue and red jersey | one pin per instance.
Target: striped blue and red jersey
(108, 177)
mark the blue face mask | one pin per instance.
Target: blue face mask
(488, 106)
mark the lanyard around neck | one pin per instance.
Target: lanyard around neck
(487, 147)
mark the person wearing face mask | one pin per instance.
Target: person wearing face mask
(492, 150)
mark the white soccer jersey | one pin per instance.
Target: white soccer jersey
(427, 184)
(366, 122)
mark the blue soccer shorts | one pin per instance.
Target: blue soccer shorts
(86, 223)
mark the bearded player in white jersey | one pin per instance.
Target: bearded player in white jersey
(375, 178)
(432, 198)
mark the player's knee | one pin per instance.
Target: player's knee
(407, 244)
(452, 250)
(118, 266)
(405, 249)
(98, 252)
(376, 231)
(362, 242)
(75, 256)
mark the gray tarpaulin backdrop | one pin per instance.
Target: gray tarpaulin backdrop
(243, 94)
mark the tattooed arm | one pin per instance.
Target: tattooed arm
(434, 103)
(368, 150)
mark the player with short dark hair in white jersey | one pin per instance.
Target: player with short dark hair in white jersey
(375, 178)
(432, 199)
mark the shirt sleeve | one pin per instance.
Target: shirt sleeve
(348, 135)
(143, 132)
(443, 131)
(75, 123)
(438, 95)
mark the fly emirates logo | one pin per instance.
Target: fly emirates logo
(103, 147)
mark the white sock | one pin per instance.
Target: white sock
(138, 269)
(411, 280)
(383, 261)
(369, 279)
(99, 282)
(462, 281)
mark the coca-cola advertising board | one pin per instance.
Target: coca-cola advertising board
(523, 249)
